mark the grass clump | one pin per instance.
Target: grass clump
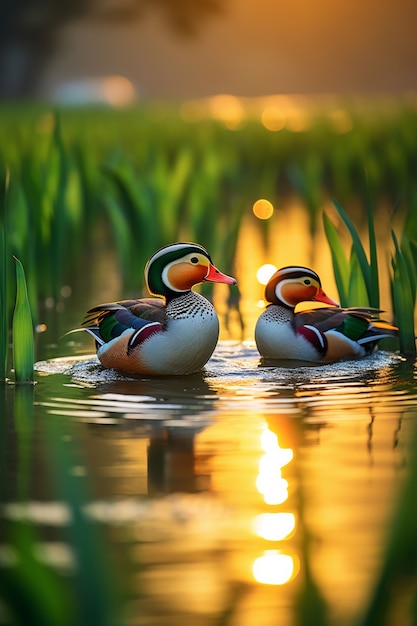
(357, 278)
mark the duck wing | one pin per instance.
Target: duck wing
(329, 318)
(108, 321)
(362, 324)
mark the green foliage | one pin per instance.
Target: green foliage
(403, 291)
(357, 280)
(22, 344)
(4, 331)
(341, 266)
(364, 281)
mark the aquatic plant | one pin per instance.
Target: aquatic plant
(357, 278)
(403, 292)
(22, 342)
(4, 330)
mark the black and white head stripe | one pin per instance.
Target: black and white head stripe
(154, 269)
(273, 290)
(297, 271)
(183, 246)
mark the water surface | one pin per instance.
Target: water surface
(221, 488)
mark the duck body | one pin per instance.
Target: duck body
(172, 335)
(320, 335)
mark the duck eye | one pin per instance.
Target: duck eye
(194, 260)
(307, 281)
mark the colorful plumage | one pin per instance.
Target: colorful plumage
(321, 335)
(174, 334)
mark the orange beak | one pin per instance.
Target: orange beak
(216, 276)
(321, 297)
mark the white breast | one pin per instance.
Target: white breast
(189, 340)
(275, 337)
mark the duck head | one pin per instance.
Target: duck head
(293, 284)
(175, 269)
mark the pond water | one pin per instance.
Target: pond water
(214, 499)
(220, 493)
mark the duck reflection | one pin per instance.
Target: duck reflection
(172, 464)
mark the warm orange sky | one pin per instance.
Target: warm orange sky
(257, 47)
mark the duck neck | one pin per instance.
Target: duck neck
(170, 295)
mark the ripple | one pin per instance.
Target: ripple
(233, 381)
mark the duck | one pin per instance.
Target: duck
(314, 335)
(175, 331)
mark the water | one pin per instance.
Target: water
(220, 489)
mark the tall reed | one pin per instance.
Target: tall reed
(357, 279)
(4, 330)
(23, 342)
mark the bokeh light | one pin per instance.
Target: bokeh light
(273, 118)
(229, 110)
(265, 272)
(263, 209)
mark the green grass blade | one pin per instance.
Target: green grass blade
(358, 294)
(340, 263)
(409, 250)
(359, 249)
(4, 334)
(23, 342)
(373, 261)
(403, 303)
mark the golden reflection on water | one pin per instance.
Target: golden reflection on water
(273, 567)
(269, 482)
(274, 526)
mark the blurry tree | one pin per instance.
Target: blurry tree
(30, 30)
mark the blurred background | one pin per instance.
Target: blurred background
(185, 49)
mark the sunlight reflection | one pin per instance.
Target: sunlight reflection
(273, 568)
(274, 526)
(275, 490)
(269, 481)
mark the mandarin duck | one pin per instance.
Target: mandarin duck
(317, 335)
(172, 334)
